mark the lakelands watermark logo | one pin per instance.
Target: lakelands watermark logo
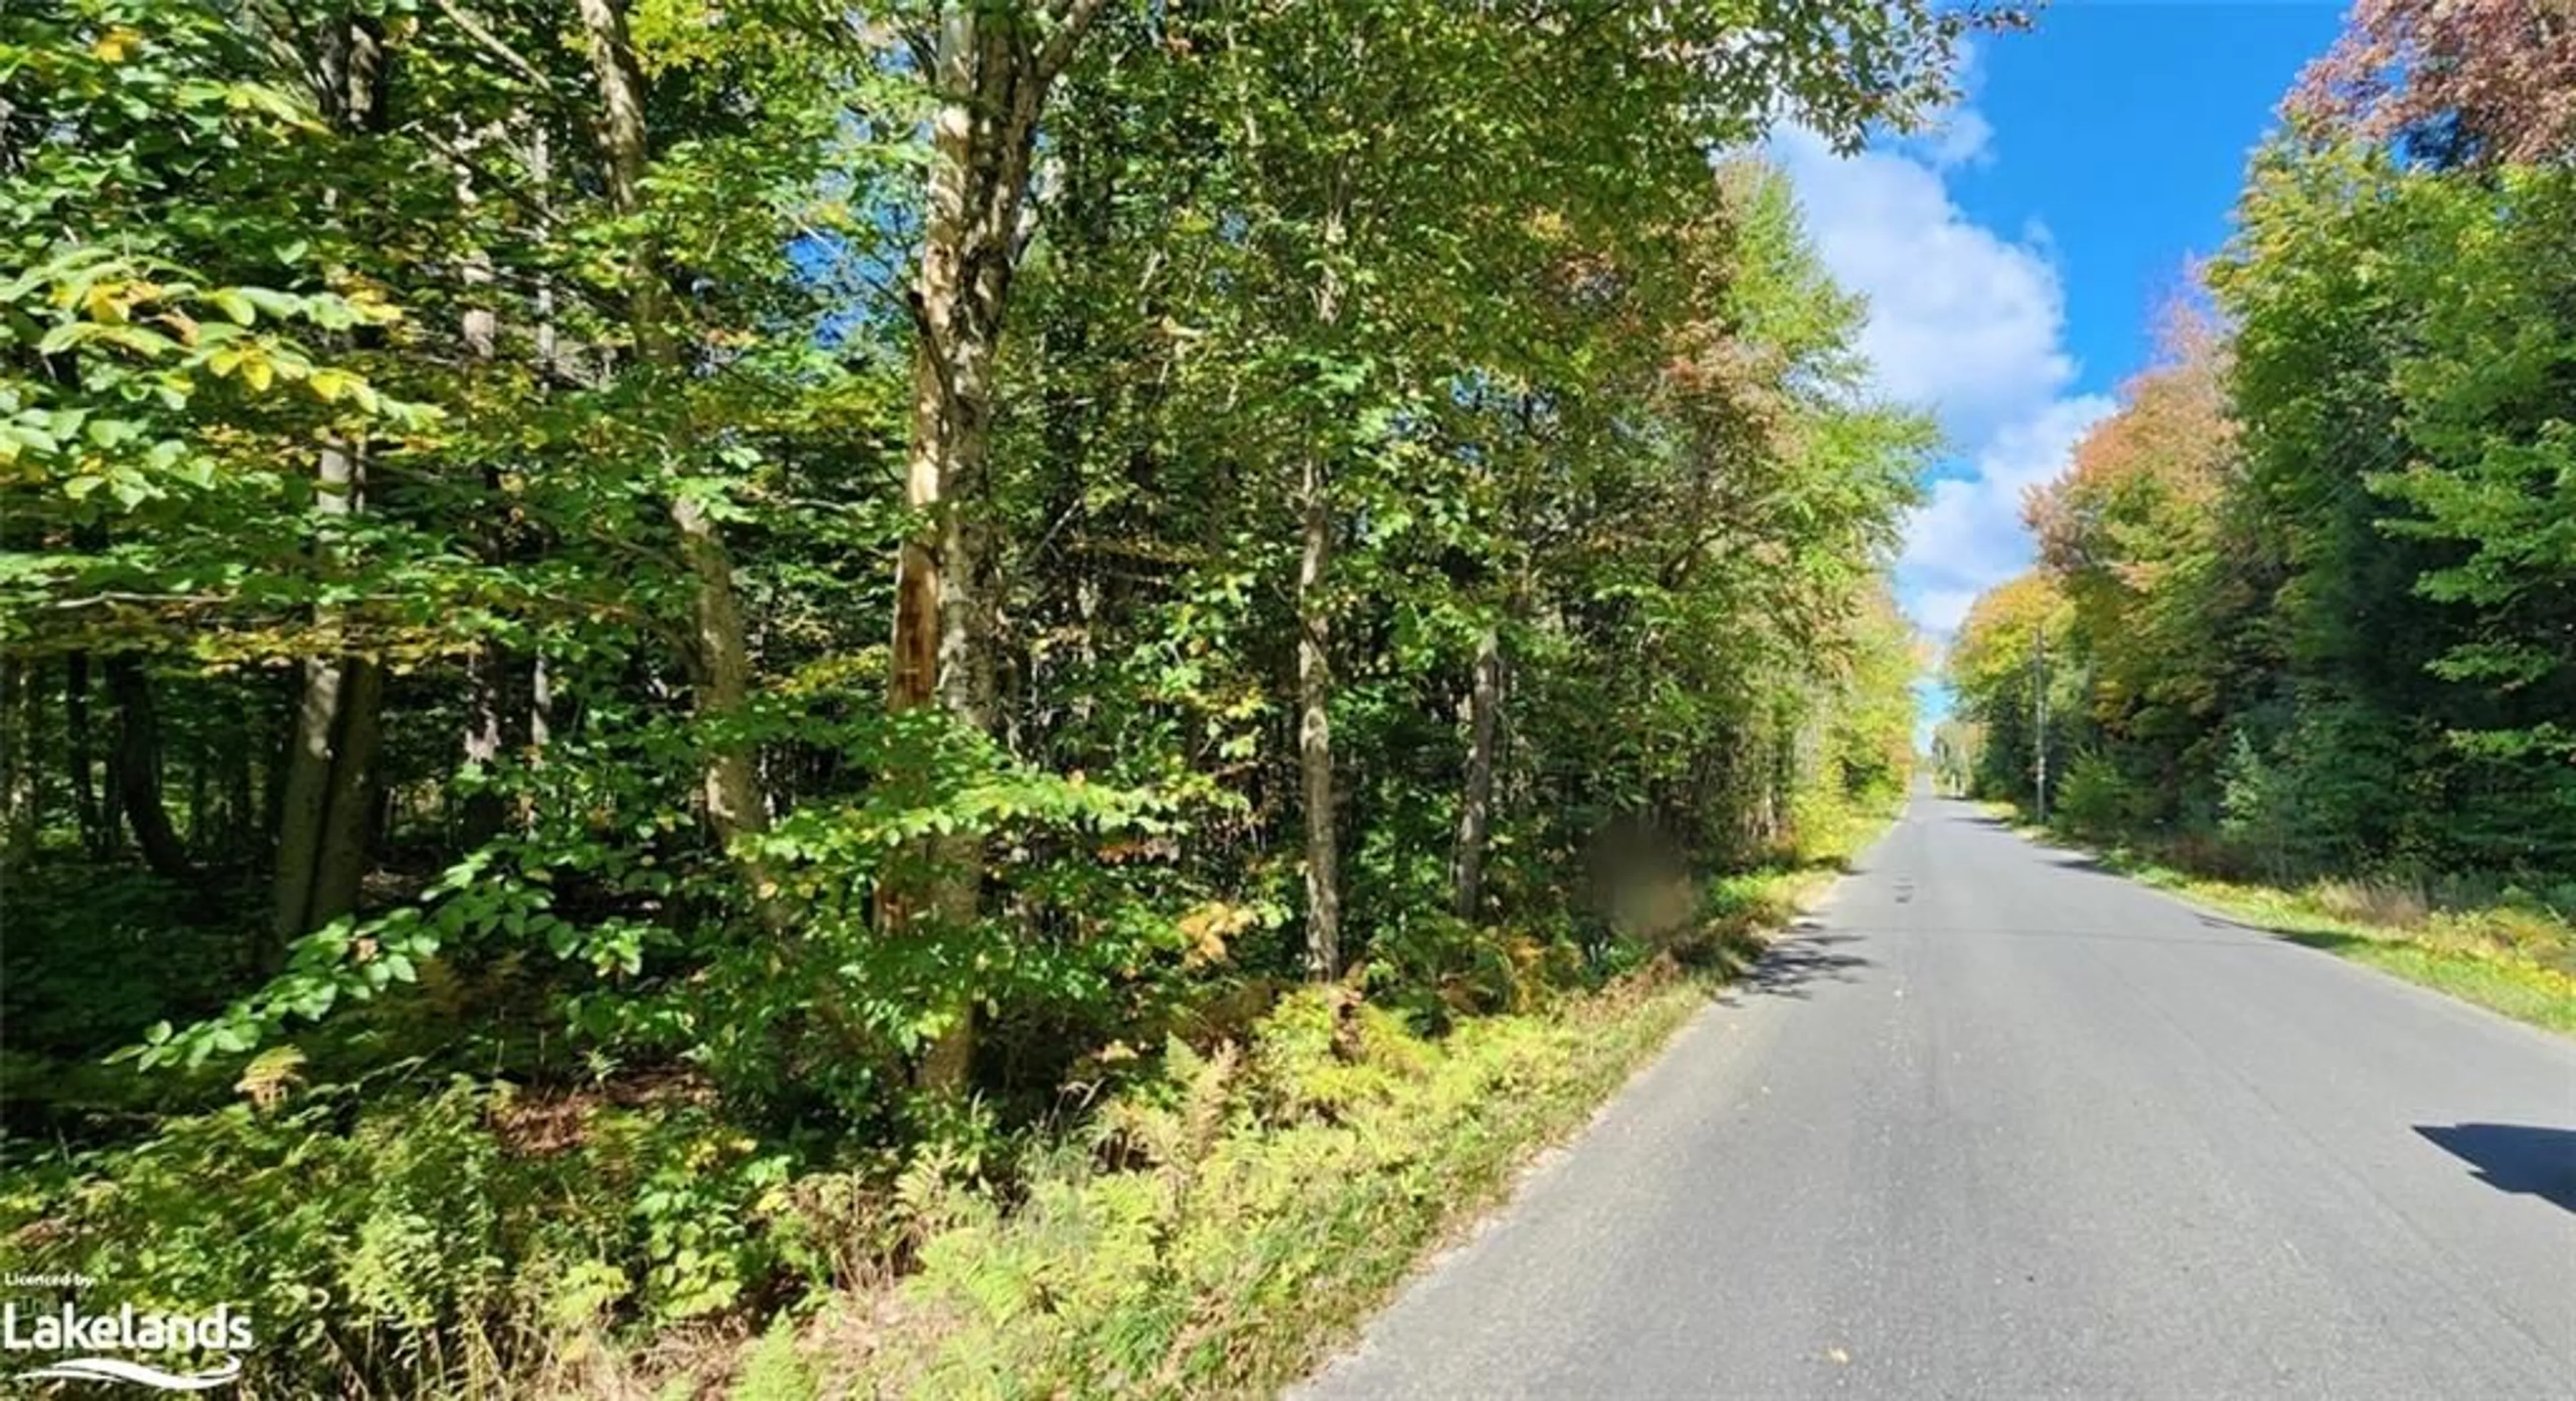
(99, 1338)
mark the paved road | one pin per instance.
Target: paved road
(2002, 1125)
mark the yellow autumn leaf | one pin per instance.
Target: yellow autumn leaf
(258, 373)
(107, 301)
(1208, 927)
(117, 44)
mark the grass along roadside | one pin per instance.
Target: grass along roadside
(2508, 955)
(1232, 1226)
(1257, 1211)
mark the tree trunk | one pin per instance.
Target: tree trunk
(245, 818)
(85, 804)
(305, 791)
(721, 656)
(201, 789)
(990, 73)
(321, 835)
(136, 769)
(487, 665)
(349, 802)
(322, 826)
(541, 688)
(484, 811)
(1475, 815)
(323, 821)
(1315, 727)
(731, 784)
(111, 813)
(19, 814)
(541, 708)
(620, 78)
(1314, 657)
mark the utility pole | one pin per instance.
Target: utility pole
(2039, 715)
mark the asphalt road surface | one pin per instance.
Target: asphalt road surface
(1999, 1124)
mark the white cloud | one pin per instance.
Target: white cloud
(1939, 611)
(1965, 322)
(1969, 535)
(1964, 137)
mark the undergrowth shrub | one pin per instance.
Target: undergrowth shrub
(390, 1241)
(1227, 1215)
(1217, 1210)
(2095, 798)
(2254, 806)
(1437, 968)
(773, 1370)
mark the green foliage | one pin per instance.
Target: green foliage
(774, 1371)
(452, 1241)
(2018, 639)
(2254, 805)
(444, 664)
(2316, 574)
(2094, 797)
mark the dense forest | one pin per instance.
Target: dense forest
(641, 635)
(2306, 603)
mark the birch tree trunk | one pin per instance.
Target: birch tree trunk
(488, 666)
(484, 812)
(990, 67)
(1314, 656)
(1315, 724)
(550, 370)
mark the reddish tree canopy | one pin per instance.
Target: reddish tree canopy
(2478, 80)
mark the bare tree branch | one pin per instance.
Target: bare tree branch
(1076, 17)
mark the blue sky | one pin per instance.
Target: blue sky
(2015, 258)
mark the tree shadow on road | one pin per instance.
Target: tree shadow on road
(1786, 967)
(2082, 861)
(2329, 940)
(2514, 1157)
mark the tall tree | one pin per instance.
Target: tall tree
(719, 652)
(989, 68)
(2144, 534)
(330, 776)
